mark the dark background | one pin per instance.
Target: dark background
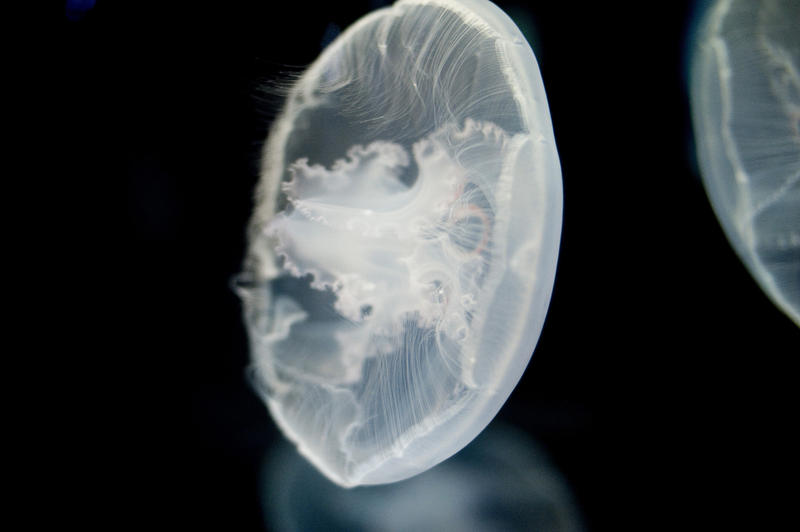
(660, 385)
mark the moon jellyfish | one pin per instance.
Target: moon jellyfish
(500, 481)
(745, 92)
(404, 241)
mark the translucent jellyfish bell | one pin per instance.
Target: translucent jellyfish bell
(745, 92)
(404, 242)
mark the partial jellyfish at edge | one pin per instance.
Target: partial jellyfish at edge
(745, 99)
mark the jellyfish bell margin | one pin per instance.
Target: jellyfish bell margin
(404, 240)
(745, 99)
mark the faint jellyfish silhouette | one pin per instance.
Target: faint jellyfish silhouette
(745, 96)
(404, 242)
(500, 481)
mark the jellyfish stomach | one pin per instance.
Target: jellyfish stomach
(389, 252)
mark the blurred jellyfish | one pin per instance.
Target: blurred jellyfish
(745, 92)
(501, 481)
(404, 242)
